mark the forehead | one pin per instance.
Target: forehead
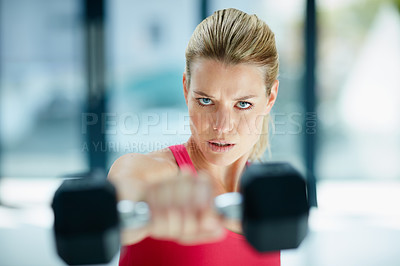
(211, 76)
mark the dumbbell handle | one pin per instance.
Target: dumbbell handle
(138, 214)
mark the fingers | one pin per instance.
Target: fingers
(208, 228)
(182, 210)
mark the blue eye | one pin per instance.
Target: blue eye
(205, 101)
(243, 105)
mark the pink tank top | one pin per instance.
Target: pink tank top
(232, 250)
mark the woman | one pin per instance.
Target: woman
(230, 85)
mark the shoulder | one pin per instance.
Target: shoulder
(151, 167)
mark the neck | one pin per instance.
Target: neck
(226, 178)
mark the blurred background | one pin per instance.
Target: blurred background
(83, 82)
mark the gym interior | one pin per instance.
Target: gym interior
(83, 82)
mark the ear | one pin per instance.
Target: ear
(185, 88)
(272, 96)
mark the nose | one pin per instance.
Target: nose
(223, 121)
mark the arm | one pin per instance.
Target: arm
(181, 205)
(132, 174)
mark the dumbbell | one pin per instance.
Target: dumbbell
(272, 206)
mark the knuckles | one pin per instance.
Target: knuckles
(182, 210)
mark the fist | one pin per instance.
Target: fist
(182, 210)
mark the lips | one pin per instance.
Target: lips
(220, 145)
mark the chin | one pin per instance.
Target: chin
(222, 159)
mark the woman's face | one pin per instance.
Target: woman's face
(227, 104)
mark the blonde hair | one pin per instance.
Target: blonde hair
(232, 37)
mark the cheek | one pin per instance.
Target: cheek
(250, 125)
(198, 120)
(259, 124)
(195, 121)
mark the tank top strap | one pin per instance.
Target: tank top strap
(182, 157)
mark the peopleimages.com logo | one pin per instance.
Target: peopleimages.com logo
(148, 123)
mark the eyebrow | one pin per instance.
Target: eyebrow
(236, 99)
